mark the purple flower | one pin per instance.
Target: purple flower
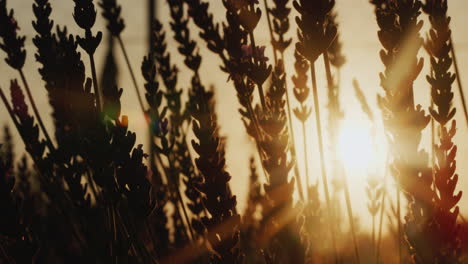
(258, 53)
(246, 51)
(13, 22)
(17, 99)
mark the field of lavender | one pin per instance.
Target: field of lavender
(84, 190)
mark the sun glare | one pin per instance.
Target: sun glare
(355, 146)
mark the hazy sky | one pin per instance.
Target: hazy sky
(361, 47)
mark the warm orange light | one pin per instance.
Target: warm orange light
(356, 147)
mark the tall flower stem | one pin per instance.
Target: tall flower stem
(326, 61)
(306, 158)
(260, 87)
(36, 112)
(179, 195)
(382, 210)
(270, 29)
(4, 253)
(463, 218)
(257, 134)
(95, 84)
(151, 17)
(322, 156)
(433, 144)
(351, 220)
(293, 139)
(459, 83)
(130, 69)
(398, 190)
(373, 234)
(184, 209)
(37, 160)
(289, 115)
(138, 248)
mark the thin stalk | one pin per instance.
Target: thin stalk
(432, 148)
(326, 61)
(179, 196)
(152, 154)
(298, 176)
(459, 83)
(150, 233)
(150, 38)
(184, 209)
(373, 234)
(306, 156)
(141, 245)
(65, 211)
(270, 29)
(114, 229)
(95, 83)
(260, 87)
(382, 210)
(462, 218)
(291, 131)
(91, 183)
(168, 182)
(42, 179)
(322, 158)
(257, 136)
(7, 105)
(293, 139)
(138, 249)
(432, 138)
(151, 18)
(351, 220)
(7, 258)
(399, 224)
(36, 112)
(81, 244)
(130, 69)
(111, 229)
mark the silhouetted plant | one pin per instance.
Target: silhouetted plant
(279, 225)
(280, 14)
(18, 243)
(223, 223)
(374, 193)
(444, 226)
(312, 27)
(399, 34)
(301, 93)
(13, 46)
(85, 17)
(192, 59)
(111, 11)
(158, 126)
(168, 72)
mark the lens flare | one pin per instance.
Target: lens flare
(355, 146)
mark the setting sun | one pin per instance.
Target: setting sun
(355, 146)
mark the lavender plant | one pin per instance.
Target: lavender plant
(92, 194)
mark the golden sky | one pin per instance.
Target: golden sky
(358, 31)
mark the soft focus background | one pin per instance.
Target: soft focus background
(358, 31)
